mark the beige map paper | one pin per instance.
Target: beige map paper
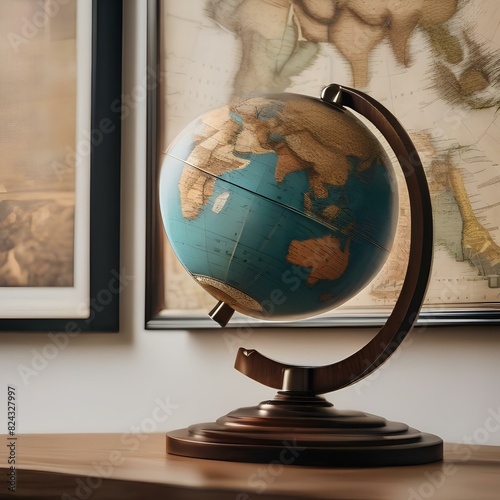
(435, 65)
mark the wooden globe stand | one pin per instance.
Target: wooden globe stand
(298, 426)
(304, 429)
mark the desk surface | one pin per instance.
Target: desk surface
(109, 466)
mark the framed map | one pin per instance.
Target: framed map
(434, 65)
(60, 170)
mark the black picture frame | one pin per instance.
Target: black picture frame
(104, 203)
(154, 246)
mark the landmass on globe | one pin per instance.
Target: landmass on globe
(304, 135)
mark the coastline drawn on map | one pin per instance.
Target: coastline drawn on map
(435, 65)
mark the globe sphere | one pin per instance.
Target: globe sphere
(282, 206)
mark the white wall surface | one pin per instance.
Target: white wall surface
(443, 380)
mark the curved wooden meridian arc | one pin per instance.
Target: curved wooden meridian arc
(323, 379)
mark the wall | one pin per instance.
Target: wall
(443, 380)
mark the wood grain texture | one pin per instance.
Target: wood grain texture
(127, 466)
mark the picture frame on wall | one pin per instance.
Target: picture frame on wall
(202, 55)
(60, 183)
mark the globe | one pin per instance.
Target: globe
(282, 206)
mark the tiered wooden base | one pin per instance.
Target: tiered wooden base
(304, 429)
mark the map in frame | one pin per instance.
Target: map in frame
(434, 65)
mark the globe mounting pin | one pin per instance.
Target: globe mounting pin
(221, 313)
(333, 94)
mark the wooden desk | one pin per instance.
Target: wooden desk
(128, 466)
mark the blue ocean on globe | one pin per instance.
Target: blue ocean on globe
(281, 206)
